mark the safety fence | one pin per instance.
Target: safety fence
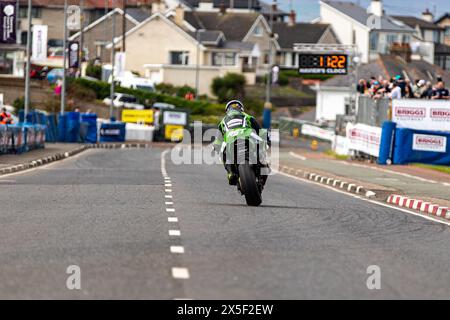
(373, 112)
(16, 139)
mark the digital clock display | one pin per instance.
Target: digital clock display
(323, 64)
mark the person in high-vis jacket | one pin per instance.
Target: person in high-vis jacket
(5, 117)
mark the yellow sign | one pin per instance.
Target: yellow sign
(138, 116)
(174, 133)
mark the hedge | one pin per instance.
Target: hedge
(102, 91)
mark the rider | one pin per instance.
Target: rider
(235, 118)
(5, 117)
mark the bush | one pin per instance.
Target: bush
(19, 104)
(94, 71)
(78, 91)
(102, 90)
(182, 91)
(229, 87)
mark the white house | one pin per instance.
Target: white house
(370, 30)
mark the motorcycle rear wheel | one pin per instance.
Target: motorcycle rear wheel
(249, 185)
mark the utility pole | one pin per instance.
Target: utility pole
(113, 58)
(124, 26)
(82, 33)
(268, 104)
(63, 90)
(197, 65)
(28, 67)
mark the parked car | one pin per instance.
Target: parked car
(54, 75)
(163, 106)
(128, 80)
(126, 101)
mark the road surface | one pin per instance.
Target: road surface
(107, 212)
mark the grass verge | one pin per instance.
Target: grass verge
(443, 169)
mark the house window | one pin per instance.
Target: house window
(391, 38)
(436, 36)
(230, 59)
(6, 62)
(179, 57)
(374, 38)
(406, 38)
(447, 31)
(258, 31)
(36, 13)
(217, 59)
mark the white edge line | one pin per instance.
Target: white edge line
(367, 200)
(293, 154)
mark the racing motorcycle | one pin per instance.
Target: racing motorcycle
(246, 152)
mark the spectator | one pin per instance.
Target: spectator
(417, 89)
(5, 117)
(409, 94)
(440, 93)
(377, 91)
(427, 92)
(362, 86)
(396, 92)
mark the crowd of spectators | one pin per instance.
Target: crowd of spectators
(400, 88)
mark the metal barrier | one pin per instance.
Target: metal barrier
(373, 112)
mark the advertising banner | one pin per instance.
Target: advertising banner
(8, 16)
(414, 146)
(317, 132)
(40, 34)
(174, 117)
(74, 54)
(138, 116)
(422, 114)
(364, 138)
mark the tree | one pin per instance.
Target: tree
(229, 87)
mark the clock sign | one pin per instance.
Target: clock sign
(333, 64)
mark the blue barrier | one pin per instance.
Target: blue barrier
(90, 122)
(421, 146)
(21, 138)
(73, 127)
(387, 143)
(51, 133)
(112, 132)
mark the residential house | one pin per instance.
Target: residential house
(169, 49)
(237, 6)
(12, 60)
(371, 31)
(430, 34)
(444, 22)
(51, 13)
(100, 32)
(291, 33)
(334, 95)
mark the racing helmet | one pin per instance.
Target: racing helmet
(234, 105)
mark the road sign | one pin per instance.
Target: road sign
(138, 116)
(74, 54)
(74, 18)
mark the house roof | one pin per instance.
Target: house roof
(360, 15)
(237, 4)
(389, 66)
(235, 26)
(445, 16)
(288, 35)
(88, 4)
(414, 21)
(116, 11)
(138, 14)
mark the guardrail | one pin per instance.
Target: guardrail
(373, 112)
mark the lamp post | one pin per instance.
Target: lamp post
(28, 67)
(197, 65)
(267, 113)
(113, 65)
(63, 89)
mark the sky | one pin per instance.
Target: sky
(308, 10)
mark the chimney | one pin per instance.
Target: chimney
(427, 16)
(158, 6)
(376, 8)
(179, 15)
(206, 5)
(274, 6)
(292, 18)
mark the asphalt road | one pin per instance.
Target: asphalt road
(105, 211)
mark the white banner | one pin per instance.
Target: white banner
(178, 118)
(364, 138)
(340, 146)
(40, 34)
(317, 132)
(422, 114)
(426, 142)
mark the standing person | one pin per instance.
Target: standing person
(427, 92)
(440, 93)
(409, 94)
(362, 86)
(396, 92)
(5, 117)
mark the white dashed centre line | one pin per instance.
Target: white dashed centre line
(177, 249)
(168, 196)
(172, 219)
(174, 233)
(180, 273)
(170, 210)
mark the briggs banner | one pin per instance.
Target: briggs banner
(422, 114)
(364, 138)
